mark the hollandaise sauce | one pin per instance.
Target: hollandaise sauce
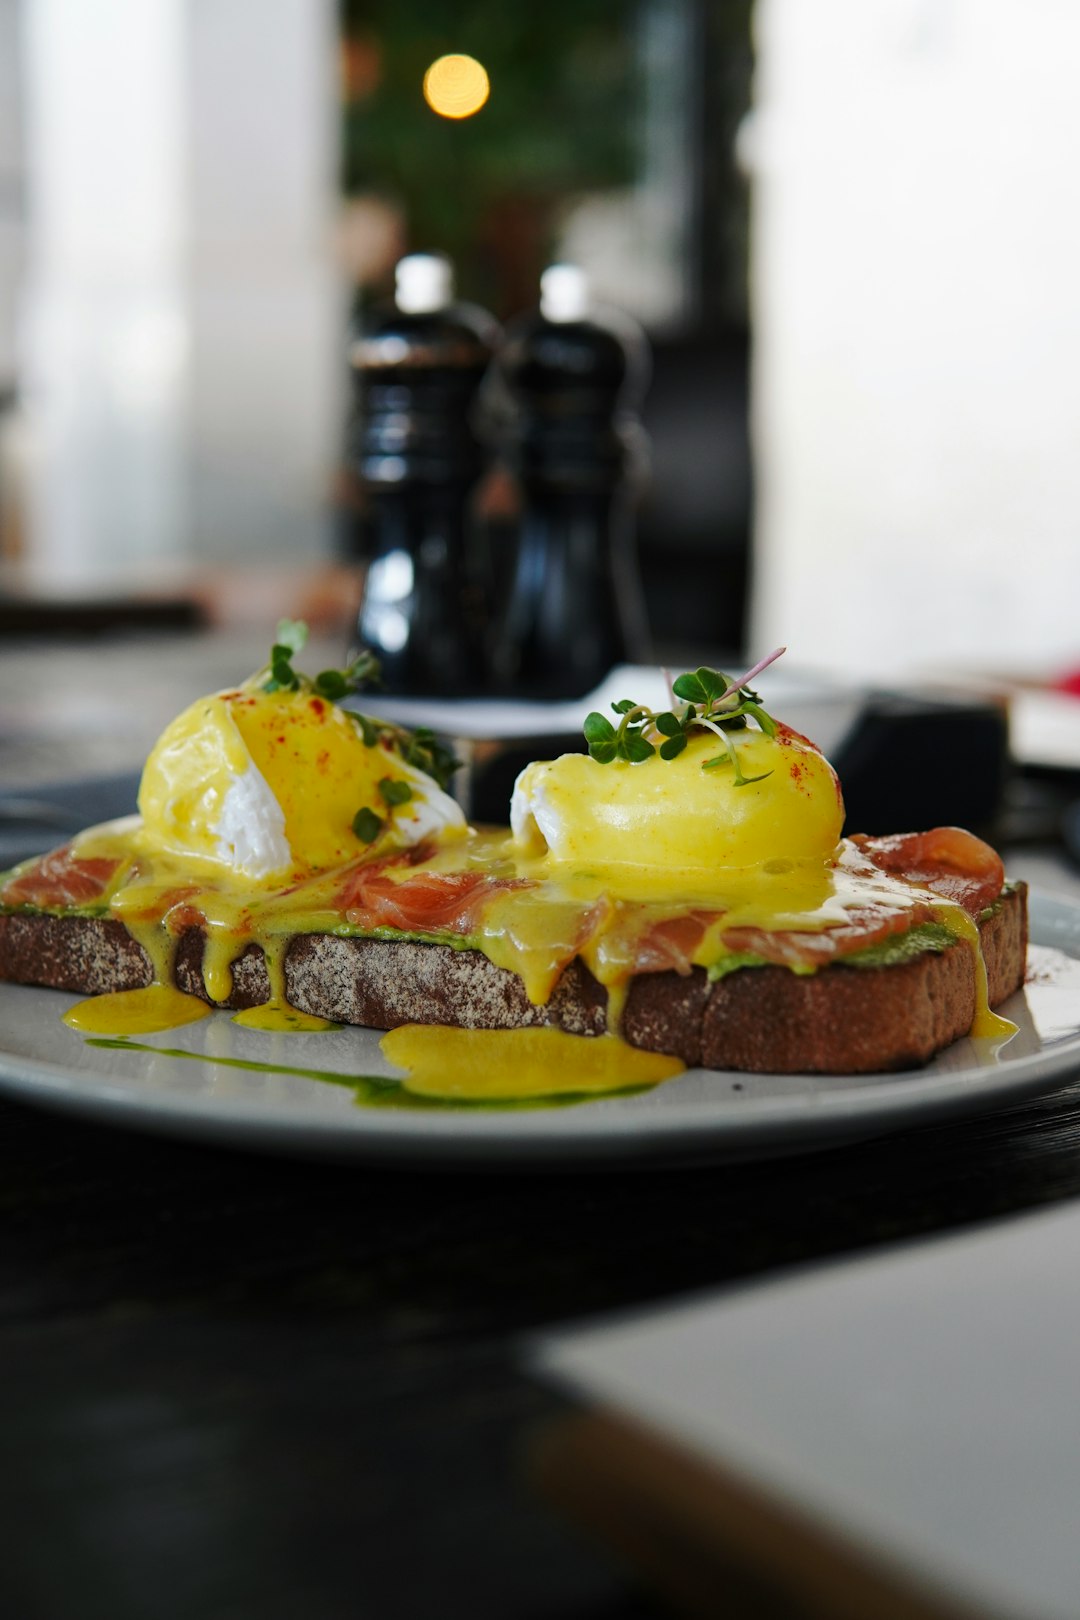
(136, 1012)
(502, 1065)
(987, 1024)
(277, 1018)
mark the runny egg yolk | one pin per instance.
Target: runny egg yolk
(265, 787)
(659, 822)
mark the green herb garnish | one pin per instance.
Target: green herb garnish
(420, 747)
(392, 790)
(712, 702)
(333, 684)
(367, 825)
(423, 749)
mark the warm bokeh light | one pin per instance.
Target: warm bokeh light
(456, 86)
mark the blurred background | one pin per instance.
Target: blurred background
(848, 229)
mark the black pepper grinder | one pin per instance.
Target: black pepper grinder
(574, 380)
(417, 364)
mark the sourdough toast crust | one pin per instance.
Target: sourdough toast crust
(842, 1019)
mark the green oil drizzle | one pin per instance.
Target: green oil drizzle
(370, 1090)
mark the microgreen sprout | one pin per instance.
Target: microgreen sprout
(711, 702)
(333, 684)
(420, 747)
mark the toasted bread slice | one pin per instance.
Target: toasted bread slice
(843, 1019)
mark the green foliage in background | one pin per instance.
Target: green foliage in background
(562, 118)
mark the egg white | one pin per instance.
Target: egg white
(250, 827)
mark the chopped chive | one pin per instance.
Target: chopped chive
(367, 825)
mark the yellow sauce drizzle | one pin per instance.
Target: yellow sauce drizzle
(496, 1065)
(136, 1012)
(228, 930)
(617, 993)
(280, 1019)
(986, 1025)
(219, 953)
(532, 937)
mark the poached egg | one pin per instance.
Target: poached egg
(264, 787)
(673, 824)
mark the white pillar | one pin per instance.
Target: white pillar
(12, 184)
(267, 321)
(104, 325)
(180, 333)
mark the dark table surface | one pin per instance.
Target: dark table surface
(236, 1386)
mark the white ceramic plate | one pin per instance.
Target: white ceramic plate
(701, 1115)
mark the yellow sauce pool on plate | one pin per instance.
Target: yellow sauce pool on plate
(136, 1012)
(278, 1018)
(506, 1065)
